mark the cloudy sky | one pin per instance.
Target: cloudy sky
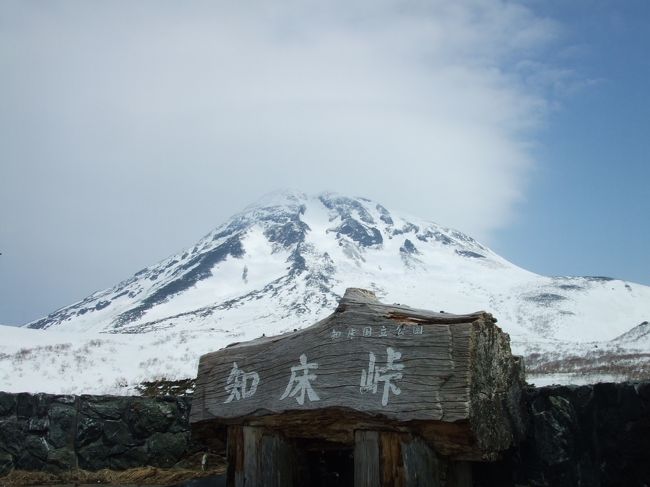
(129, 129)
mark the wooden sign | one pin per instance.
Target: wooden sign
(369, 364)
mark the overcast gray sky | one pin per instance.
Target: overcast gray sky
(130, 129)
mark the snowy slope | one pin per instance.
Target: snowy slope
(282, 263)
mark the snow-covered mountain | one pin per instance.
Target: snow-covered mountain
(283, 263)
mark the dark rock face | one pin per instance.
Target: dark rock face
(146, 418)
(408, 248)
(88, 430)
(596, 435)
(361, 234)
(6, 463)
(545, 299)
(347, 208)
(292, 231)
(56, 433)
(196, 269)
(7, 404)
(384, 215)
(166, 448)
(469, 253)
(61, 430)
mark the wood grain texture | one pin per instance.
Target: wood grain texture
(258, 457)
(371, 363)
(366, 458)
(385, 458)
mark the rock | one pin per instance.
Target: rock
(7, 404)
(6, 463)
(643, 390)
(27, 461)
(38, 425)
(131, 458)
(63, 418)
(146, 416)
(88, 430)
(365, 236)
(631, 405)
(66, 399)
(553, 429)
(12, 436)
(583, 396)
(118, 433)
(181, 423)
(27, 405)
(107, 407)
(116, 450)
(94, 456)
(63, 458)
(165, 449)
(37, 447)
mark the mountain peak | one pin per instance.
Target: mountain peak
(295, 254)
(284, 263)
(280, 197)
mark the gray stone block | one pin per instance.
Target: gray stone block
(166, 449)
(7, 404)
(6, 463)
(88, 430)
(63, 423)
(94, 456)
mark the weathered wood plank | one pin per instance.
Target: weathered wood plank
(252, 456)
(422, 467)
(279, 462)
(235, 456)
(385, 458)
(366, 458)
(395, 365)
(258, 457)
(390, 459)
(329, 362)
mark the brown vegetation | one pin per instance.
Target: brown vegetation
(163, 387)
(134, 476)
(631, 366)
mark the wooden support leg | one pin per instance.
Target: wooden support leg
(235, 456)
(383, 459)
(257, 457)
(366, 459)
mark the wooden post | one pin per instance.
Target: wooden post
(383, 458)
(366, 458)
(257, 457)
(235, 456)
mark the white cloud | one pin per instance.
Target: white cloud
(134, 127)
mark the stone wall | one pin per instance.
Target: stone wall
(54, 433)
(594, 436)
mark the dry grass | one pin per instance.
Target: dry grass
(164, 387)
(631, 366)
(134, 476)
